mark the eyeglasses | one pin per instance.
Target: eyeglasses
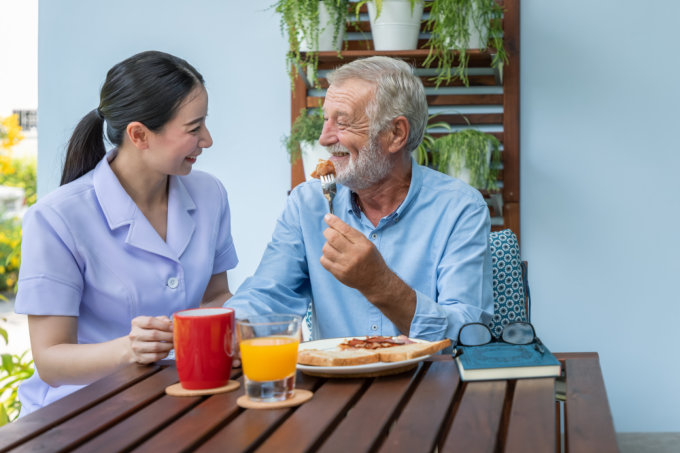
(478, 334)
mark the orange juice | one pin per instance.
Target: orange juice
(269, 358)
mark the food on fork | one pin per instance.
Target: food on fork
(323, 168)
(345, 355)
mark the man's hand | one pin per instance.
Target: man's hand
(357, 263)
(352, 258)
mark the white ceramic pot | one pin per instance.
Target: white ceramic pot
(326, 31)
(464, 173)
(311, 153)
(397, 27)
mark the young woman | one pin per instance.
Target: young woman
(130, 237)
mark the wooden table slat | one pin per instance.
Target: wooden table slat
(97, 419)
(588, 422)
(306, 427)
(532, 416)
(477, 420)
(414, 430)
(251, 427)
(35, 423)
(139, 426)
(379, 404)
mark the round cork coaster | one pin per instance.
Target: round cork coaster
(299, 396)
(178, 390)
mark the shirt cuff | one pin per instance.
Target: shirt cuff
(429, 321)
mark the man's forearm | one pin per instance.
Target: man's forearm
(394, 298)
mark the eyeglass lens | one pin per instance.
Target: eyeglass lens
(518, 333)
(474, 335)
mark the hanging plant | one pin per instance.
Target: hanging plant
(300, 22)
(451, 24)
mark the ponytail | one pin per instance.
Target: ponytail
(86, 147)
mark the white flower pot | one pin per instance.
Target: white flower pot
(326, 31)
(464, 173)
(311, 153)
(397, 28)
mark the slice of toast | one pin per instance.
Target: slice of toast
(410, 351)
(317, 357)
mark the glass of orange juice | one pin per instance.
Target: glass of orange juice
(269, 347)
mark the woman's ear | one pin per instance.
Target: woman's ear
(138, 134)
(397, 135)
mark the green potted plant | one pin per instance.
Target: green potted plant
(470, 155)
(467, 154)
(303, 141)
(311, 26)
(459, 25)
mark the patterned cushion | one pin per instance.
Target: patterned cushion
(508, 281)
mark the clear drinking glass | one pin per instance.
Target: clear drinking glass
(269, 347)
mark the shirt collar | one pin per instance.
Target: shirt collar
(413, 190)
(119, 210)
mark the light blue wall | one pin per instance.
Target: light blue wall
(599, 104)
(599, 173)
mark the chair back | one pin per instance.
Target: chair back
(511, 301)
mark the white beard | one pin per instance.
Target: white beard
(369, 168)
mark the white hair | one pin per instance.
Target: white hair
(398, 93)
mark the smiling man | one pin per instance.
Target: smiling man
(406, 252)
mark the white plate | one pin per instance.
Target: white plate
(354, 370)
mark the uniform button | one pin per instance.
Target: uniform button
(374, 327)
(374, 236)
(173, 282)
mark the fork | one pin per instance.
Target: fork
(329, 189)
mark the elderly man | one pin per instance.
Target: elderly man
(406, 251)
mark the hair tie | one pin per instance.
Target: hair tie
(99, 113)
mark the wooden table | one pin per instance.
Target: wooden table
(423, 410)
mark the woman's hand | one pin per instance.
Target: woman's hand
(150, 338)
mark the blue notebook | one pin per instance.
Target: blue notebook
(505, 361)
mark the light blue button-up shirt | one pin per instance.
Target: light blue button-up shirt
(88, 251)
(436, 242)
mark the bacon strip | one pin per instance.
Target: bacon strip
(376, 342)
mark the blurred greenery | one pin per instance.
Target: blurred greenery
(14, 172)
(15, 368)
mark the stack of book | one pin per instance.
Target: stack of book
(505, 361)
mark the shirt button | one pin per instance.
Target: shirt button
(374, 236)
(374, 327)
(173, 282)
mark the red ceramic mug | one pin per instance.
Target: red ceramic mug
(204, 346)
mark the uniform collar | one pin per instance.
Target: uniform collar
(120, 210)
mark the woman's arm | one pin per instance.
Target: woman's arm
(217, 292)
(60, 360)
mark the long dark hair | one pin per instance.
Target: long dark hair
(147, 87)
